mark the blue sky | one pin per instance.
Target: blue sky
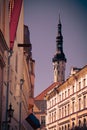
(42, 17)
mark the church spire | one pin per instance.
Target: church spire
(59, 38)
(59, 26)
(59, 59)
(59, 19)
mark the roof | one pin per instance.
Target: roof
(59, 57)
(43, 93)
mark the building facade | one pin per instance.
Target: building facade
(40, 105)
(16, 66)
(4, 47)
(66, 105)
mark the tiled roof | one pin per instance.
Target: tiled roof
(42, 94)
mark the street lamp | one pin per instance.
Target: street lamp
(20, 102)
(21, 81)
(10, 112)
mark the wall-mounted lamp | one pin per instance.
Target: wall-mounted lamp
(10, 112)
(21, 81)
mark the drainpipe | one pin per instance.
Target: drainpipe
(7, 90)
(20, 103)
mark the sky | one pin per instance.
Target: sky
(42, 17)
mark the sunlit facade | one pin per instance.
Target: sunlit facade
(16, 65)
(4, 45)
(66, 104)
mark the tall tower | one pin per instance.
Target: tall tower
(59, 60)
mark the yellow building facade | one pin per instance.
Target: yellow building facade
(66, 103)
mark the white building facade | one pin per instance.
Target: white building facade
(66, 103)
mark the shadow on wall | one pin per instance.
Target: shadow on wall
(79, 128)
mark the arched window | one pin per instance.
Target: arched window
(62, 96)
(84, 122)
(59, 128)
(55, 116)
(68, 127)
(65, 127)
(73, 89)
(73, 106)
(79, 123)
(52, 117)
(68, 92)
(65, 110)
(65, 94)
(52, 102)
(62, 112)
(84, 101)
(79, 85)
(68, 109)
(84, 82)
(73, 125)
(79, 103)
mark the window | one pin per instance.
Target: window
(62, 127)
(65, 127)
(59, 128)
(65, 110)
(84, 102)
(73, 89)
(68, 109)
(62, 112)
(54, 116)
(79, 123)
(73, 124)
(84, 123)
(68, 127)
(84, 82)
(79, 103)
(68, 92)
(52, 102)
(55, 100)
(65, 94)
(50, 118)
(43, 120)
(59, 97)
(62, 96)
(79, 85)
(73, 106)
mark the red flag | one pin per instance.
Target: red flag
(14, 21)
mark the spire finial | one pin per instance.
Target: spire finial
(59, 19)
